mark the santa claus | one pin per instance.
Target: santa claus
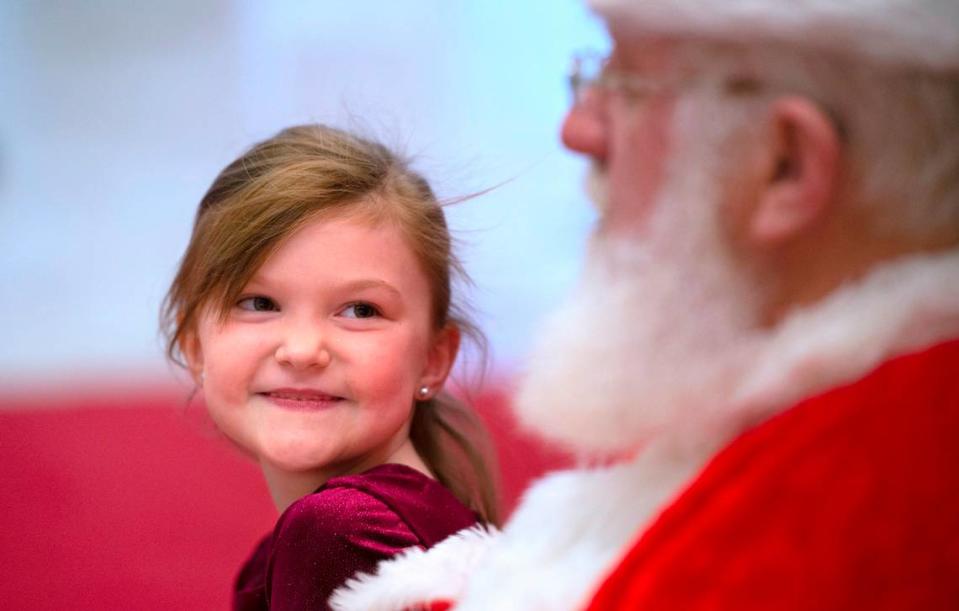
(760, 366)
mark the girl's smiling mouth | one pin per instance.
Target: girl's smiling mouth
(301, 398)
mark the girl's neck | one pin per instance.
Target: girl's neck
(286, 487)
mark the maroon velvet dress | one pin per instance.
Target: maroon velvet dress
(347, 526)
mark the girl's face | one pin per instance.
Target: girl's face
(317, 366)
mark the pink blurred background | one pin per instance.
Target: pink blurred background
(134, 502)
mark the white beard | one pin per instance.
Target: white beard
(657, 333)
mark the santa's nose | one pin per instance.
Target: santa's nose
(584, 130)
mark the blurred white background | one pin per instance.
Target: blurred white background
(116, 115)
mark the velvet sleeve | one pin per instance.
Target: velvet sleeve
(325, 538)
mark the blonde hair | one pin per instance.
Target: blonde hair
(314, 171)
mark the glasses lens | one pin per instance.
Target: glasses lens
(584, 72)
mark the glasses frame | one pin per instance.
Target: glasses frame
(590, 70)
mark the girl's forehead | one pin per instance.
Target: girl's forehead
(342, 246)
(358, 241)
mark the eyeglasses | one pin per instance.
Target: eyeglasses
(590, 70)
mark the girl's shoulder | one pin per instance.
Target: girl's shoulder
(347, 526)
(394, 504)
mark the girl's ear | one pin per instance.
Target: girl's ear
(193, 354)
(802, 175)
(439, 361)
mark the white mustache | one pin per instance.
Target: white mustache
(596, 185)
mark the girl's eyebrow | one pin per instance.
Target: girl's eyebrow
(371, 283)
(261, 281)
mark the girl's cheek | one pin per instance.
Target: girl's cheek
(388, 375)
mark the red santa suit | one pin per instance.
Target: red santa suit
(849, 500)
(842, 493)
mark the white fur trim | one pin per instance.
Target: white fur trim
(570, 527)
(415, 576)
(899, 307)
(908, 32)
(570, 530)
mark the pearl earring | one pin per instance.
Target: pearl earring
(423, 391)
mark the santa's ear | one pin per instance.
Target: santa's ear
(802, 174)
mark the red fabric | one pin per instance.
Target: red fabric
(849, 500)
(347, 526)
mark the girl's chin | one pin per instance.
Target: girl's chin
(300, 459)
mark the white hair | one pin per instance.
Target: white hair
(900, 126)
(892, 32)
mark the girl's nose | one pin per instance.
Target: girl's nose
(303, 348)
(584, 128)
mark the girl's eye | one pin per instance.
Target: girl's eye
(360, 310)
(258, 303)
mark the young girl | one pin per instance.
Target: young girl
(312, 308)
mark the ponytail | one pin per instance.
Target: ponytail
(454, 444)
